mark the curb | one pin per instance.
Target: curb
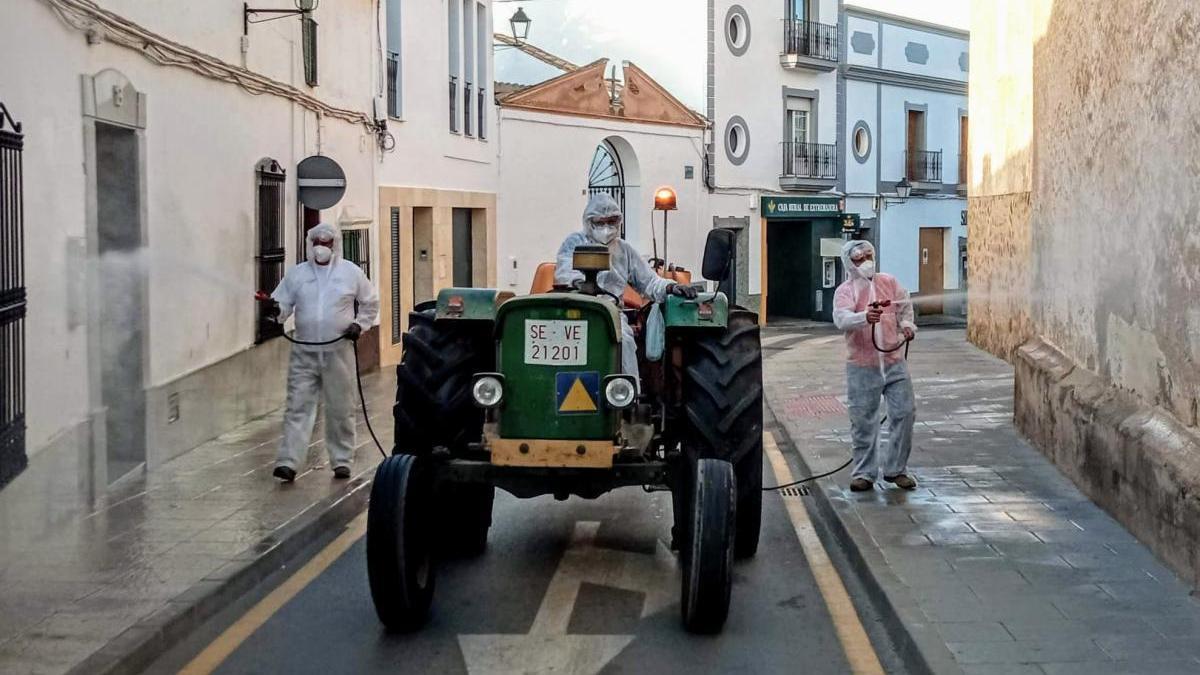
(140, 645)
(918, 644)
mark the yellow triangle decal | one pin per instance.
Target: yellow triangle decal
(578, 399)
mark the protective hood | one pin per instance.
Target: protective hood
(852, 271)
(323, 228)
(600, 205)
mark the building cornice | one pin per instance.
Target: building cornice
(900, 79)
(906, 22)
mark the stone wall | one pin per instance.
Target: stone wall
(1085, 239)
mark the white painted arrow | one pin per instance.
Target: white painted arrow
(547, 648)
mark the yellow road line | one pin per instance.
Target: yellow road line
(215, 653)
(859, 651)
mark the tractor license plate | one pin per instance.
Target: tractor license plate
(555, 342)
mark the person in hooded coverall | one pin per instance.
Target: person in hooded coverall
(323, 293)
(871, 373)
(602, 226)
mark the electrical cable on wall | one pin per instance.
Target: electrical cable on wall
(90, 19)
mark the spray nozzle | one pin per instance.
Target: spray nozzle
(262, 296)
(880, 304)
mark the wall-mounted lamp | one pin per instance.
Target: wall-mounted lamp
(303, 7)
(519, 22)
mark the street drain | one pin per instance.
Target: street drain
(800, 491)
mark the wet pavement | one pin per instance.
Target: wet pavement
(999, 555)
(76, 573)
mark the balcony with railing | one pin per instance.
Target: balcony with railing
(393, 84)
(809, 45)
(808, 166)
(923, 169)
(482, 112)
(454, 103)
(467, 101)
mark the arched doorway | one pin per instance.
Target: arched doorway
(614, 171)
(606, 175)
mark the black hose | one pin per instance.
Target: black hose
(903, 343)
(805, 480)
(357, 376)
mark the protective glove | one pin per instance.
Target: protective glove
(683, 291)
(271, 308)
(353, 332)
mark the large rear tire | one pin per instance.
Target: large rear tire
(707, 552)
(433, 385)
(434, 408)
(723, 395)
(400, 563)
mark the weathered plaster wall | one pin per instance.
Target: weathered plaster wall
(1001, 170)
(1085, 219)
(1116, 208)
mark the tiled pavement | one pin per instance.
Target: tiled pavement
(1012, 568)
(75, 573)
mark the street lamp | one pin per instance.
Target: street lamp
(903, 188)
(520, 24)
(665, 200)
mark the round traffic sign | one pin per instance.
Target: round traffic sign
(320, 182)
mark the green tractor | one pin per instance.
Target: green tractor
(526, 394)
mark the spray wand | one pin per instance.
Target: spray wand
(262, 296)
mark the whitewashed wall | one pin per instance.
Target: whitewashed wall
(427, 153)
(544, 162)
(201, 143)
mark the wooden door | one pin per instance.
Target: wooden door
(932, 270)
(914, 144)
(962, 150)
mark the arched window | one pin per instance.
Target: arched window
(606, 175)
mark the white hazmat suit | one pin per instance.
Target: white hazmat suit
(323, 299)
(626, 266)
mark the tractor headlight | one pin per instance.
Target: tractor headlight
(620, 391)
(488, 390)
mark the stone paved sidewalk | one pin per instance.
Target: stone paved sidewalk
(996, 555)
(75, 575)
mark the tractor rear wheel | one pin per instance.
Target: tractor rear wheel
(400, 561)
(706, 555)
(433, 385)
(723, 396)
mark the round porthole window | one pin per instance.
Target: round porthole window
(737, 140)
(737, 30)
(860, 141)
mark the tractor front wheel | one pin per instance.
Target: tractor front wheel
(722, 399)
(400, 561)
(707, 551)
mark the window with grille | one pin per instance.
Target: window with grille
(356, 247)
(309, 28)
(395, 251)
(270, 177)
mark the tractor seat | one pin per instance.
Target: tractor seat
(543, 282)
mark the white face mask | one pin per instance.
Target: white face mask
(604, 234)
(867, 269)
(322, 254)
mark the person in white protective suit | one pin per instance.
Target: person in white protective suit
(330, 297)
(602, 226)
(872, 374)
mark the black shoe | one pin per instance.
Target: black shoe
(860, 485)
(285, 474)
(903, 481)
(342, 472)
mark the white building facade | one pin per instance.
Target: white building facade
(773, 166)
(437, 188)
(905, 87)
(567, 138)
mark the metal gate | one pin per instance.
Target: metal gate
(12, 302)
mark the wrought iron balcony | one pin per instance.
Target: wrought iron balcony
(482, 112)
(467, 89)
(453, 103)
(923, 166)
(808, 44)
(808, 165)
(393, 76)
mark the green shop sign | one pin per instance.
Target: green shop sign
(800, 207)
